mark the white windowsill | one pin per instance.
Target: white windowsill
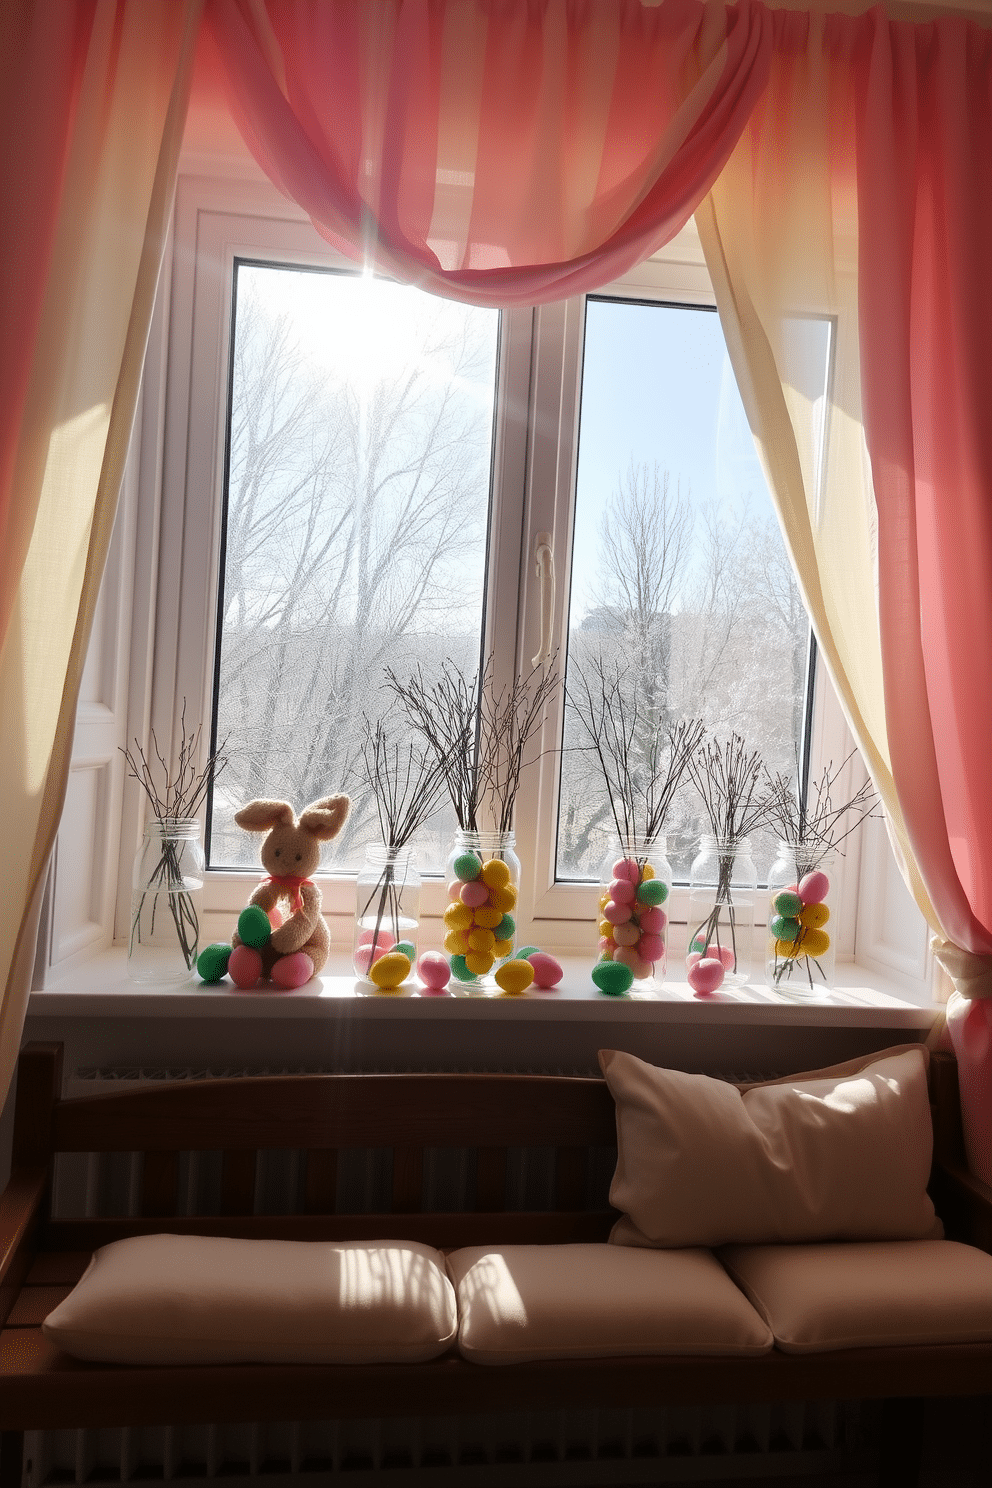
(101, 988)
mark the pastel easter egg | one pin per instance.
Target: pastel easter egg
(479, 962)
(455, 890)
(626, 955)
(605, 928)
(434, 971)
(456, 942)
(458, 916)
(651, 947)
(389, 970)
(481, 940)
(253, 926)
(474, 893)
(652, 919)
(814, 943)
(362, 959)
(211, 963)
(647, 871)
(698, 944)
(788, 950)
(642, 969)
(622, 891)
(606, 948)
(788, 904)
(627, 935)
(612, 978)
(468, 866)
(604, 898)
(515, 977)
(617, 914)
(706, 975)
(503, 898)
(495, 873)
(407, 948)
(528, 951)
(626, 868)
(487, 917)
(783, 927)
(503, 948)
(548, 971)
(693, 957)
(813, 917)
(723, 954)
(275, 917)
(381, 938)
(651, 891)
(460, 971)
(506, 928)
(814, 888)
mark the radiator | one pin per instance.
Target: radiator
(826, 1441)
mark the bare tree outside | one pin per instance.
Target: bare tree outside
(357, 505)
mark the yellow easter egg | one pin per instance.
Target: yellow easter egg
(458, 916)
(787, 949)
(515, 976)
(604, 899)
(479, 962)
(456, 942)
(606, 929)
(502, 948)
(488, 917)
(814, 943)
(503, 899)
(481, 940)
(814, 915)
(647, 872)
(495, 873)
(390, 970)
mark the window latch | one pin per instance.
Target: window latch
(545, 563)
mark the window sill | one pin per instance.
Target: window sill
(101, 988)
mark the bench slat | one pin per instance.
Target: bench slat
(490, 1179)
(159, 1184)
(321, 1181)
(237, 1183)
(571, 1166)
(408, 1180)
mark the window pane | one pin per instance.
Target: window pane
(357, 506)
(679, 575)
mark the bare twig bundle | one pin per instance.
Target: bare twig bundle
(508, 722)
(446, 715)
(810, 820)
(642, 762)
(407, 784)
(181, 793)
(728, 777)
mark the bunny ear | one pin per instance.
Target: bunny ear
(259, 816)
(325, 818)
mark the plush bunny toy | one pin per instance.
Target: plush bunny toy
(293, 949)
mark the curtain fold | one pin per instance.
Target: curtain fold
(107, 219)
(493, 152)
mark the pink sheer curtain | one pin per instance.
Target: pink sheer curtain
(494, 151)
(924, 139)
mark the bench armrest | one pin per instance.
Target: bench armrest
(21, 1206)
(964, 1203)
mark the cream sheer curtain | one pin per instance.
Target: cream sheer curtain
(112, 217)
(780, 233)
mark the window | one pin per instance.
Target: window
(540, 388)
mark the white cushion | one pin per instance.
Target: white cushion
(816, 1298)
(519, 1302)
(183, 1299)
(703, 1162)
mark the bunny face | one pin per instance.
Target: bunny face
(292, 847)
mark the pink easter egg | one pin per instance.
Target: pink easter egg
(455, 890)
(548, 971)
(723, 954)
(622, 891)
(275, 917)
(653, 919)
(693, 957)
(475, 893)
(383, 940)
(617, 914)
(627, 934)
(434, 971)
(627, 956)
(627, 868)
(651, 947)
(706, 975)
(814, 888)
(363, 959)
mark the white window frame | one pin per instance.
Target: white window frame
(175, 481)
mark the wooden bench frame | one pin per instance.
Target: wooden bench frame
(41, 1257)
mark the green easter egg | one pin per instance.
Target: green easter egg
(406, 948)
(699, 944)
(526, 950)
(612, 978)
(785, 927)
(788, 904)
(211, 963)
(467, 866)
(651, 891)
(460, 971)
(253, 926)
(506, 928)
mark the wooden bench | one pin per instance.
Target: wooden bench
(42, 1257)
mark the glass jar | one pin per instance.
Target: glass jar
(387, 906)
(482, 877)
(800, 951)
(166, 894)
(633, 919)
(723, 885)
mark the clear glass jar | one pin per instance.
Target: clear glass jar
(723, 884)
(387, 906)
(166, 895)
(800, 952)
(482, 877)
(633, 916)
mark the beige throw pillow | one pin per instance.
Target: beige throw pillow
(520, 1302)
(702, 1162)
(192, 1299)
(867, 1294)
